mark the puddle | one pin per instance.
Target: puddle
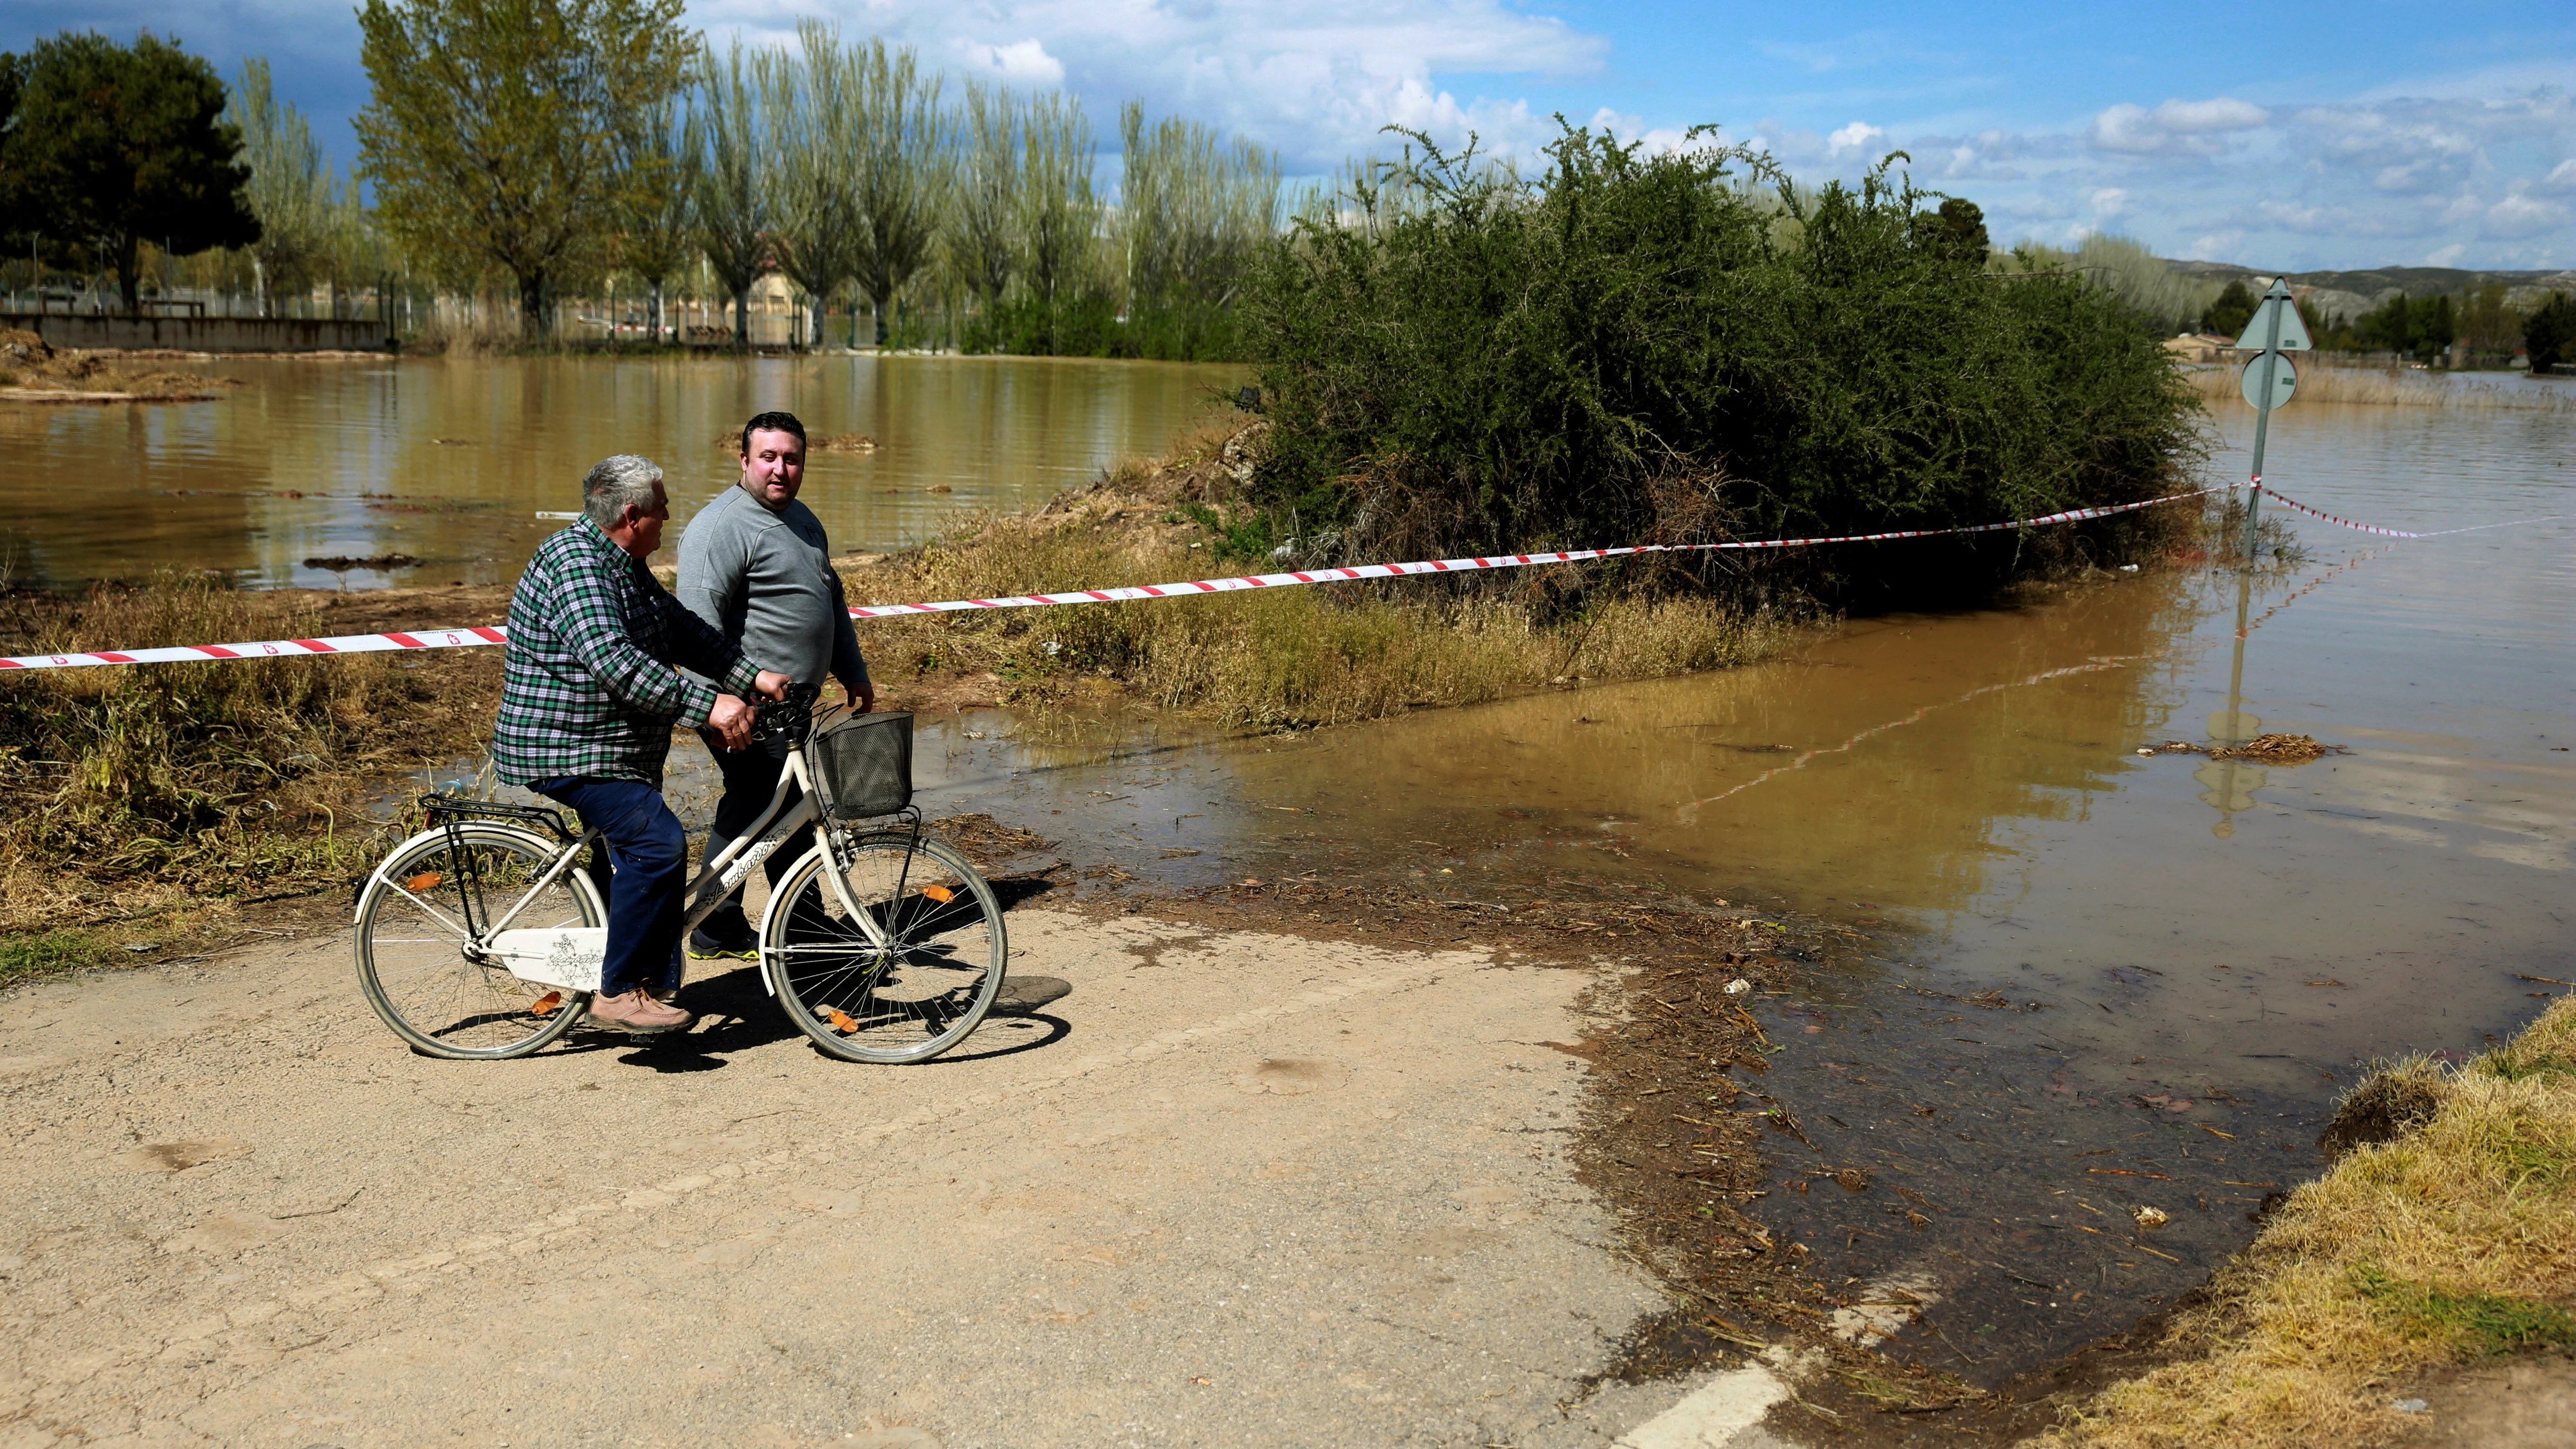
(2080, 981)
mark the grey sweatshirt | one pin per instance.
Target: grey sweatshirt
(765, 579)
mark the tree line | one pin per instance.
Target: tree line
(550, 146)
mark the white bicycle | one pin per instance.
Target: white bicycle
(482, 936)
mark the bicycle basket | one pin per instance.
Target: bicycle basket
(863, 765)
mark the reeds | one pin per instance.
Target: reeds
(1307, 656)
(2397, 387)
(122, 790)
(2452, 1242)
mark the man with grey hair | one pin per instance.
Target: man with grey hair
(590, 687)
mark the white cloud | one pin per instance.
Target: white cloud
(2445, 256)
(2109, 201)
(2519, 215)
(1854, 136)
(2185, 126)
(2221, 114)
(2561, 179)
(1023, 63)
(1316, 80)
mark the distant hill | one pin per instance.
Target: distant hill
(2352, 293)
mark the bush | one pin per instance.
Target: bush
(1637, 347)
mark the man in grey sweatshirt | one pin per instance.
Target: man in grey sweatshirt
(755, 564)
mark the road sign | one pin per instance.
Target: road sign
(2285, 381)
(2294, 333)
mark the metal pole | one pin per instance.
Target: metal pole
(2273, 301)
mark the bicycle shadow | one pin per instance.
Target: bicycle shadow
(737, 1014)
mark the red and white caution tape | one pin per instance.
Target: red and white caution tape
(469, 638)
(2287, 501)
(1470, 565)
(472, 638)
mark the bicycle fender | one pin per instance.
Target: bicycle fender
(840, 887)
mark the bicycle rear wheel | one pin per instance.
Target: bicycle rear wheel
(413, 957)
(920, 992)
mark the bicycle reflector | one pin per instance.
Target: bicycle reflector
(941, 894)
(426, 880)
(546, 1004)
(840, 1020)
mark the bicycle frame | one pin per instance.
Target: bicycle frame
(716, 880)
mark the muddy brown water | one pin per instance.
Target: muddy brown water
(2081, 982)
(448, 461)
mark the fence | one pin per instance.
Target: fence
(202, 334)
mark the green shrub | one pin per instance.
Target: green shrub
(1683, 347)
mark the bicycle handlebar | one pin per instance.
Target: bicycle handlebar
(780, 725)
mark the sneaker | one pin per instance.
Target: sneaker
(637, 1012)
(707, 947)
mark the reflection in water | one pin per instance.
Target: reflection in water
(448, 460)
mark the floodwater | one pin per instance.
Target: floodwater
(448, 461)
(2181, 962)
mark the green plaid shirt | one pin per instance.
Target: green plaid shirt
(588, 683)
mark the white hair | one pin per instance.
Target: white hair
(613, 483)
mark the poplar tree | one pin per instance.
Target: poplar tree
(1059, 212)
(290, 187)
(657, 235)
(813, 103)
(734, 207)
(984, 243)
(902, 170)
(491, 134)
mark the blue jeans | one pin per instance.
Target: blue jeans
(651, 856)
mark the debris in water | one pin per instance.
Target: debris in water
(2412, 1406)
(1738, 986)
(340, 563)
(2262, 749)
(2152, 1217)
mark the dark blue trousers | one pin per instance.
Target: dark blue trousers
(650, 854)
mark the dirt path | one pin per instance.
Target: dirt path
(1237, 1189)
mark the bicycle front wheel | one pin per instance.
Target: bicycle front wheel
(416, 961)
(906, 998)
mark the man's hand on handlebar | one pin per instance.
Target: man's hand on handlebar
(731, 719)
(771, 684)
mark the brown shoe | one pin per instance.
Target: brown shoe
(636, 1011)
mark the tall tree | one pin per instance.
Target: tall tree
(984, 240)
(290, 187)
(14, 221)
(2549, 333)
(902, 171)
(492, 132)
(728, 139)
(657, 223)
(118, 145)
(1059, 212)
(2230, 311)
(814, 104)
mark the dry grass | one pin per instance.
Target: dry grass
(2454, 1241)
(1303, 656)
(2396, 387)
(124, 792)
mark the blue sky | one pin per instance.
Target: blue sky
(2292, 135)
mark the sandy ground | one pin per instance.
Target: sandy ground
(1240, 1189)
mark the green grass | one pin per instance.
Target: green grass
(2475, 1324)
(53, 953)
